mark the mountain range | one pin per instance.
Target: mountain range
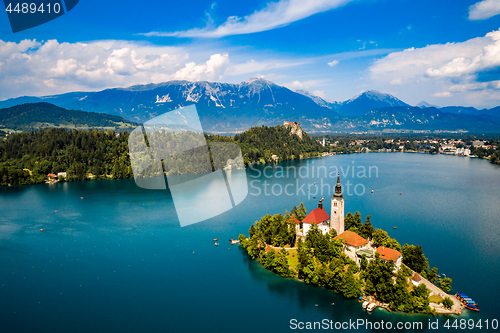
(35, 116)
(232, 108)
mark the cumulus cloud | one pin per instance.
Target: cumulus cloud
(450, 69)
(296, 85)
(483, 10)
(273, 15)
(40, 68)
(333, 63)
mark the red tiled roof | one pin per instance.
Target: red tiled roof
(416, 277)
(388, 254)
(352, 238)
(316, 216)
(293, 220)
(269, 248)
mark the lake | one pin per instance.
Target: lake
(114, 258)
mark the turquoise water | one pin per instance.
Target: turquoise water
(118, 260)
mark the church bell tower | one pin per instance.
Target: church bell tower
(337, 215)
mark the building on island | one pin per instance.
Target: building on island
(416, 279)
(353, 244)
(293, 220)
(317, 216)
(337, 209)
(390, 254)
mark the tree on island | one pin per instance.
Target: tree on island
(432, 275)
(445, 284)
(367, 228)
(447, 302)
(381, 238)
(348, 221)
(306, 268)
(364, 262)
(413, 257)
(379, 279)
(421, 301)
(277, 263)
(402, 300)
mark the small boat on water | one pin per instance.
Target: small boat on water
(365, 304)
(444, 274)
(216, 244)
(400, 193)
(216, 239)
(372, 191)
(41, 229)
(472, 307)
(395, 227)
(371, 307)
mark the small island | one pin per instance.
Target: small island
(341, 253)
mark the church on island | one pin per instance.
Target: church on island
(355, 246)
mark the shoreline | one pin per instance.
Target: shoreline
(109, 177)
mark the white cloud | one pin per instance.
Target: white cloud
(295, 85)
(442, 94)
(441, 68)
(41, 68)
(483, 10)
(273, 15)
(213, 68)
(333, 63)
(397, 81)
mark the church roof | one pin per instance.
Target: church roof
(352, 238)
(317, 216)
(388, 254)
(338, 188)
(293, 220)
(416, 277)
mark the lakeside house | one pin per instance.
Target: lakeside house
(416, 279)
(354, 245)
(387, 254)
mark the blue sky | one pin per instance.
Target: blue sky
(443, 52)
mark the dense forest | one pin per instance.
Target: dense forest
(28, 157)
(319, 260)
(259, 144)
